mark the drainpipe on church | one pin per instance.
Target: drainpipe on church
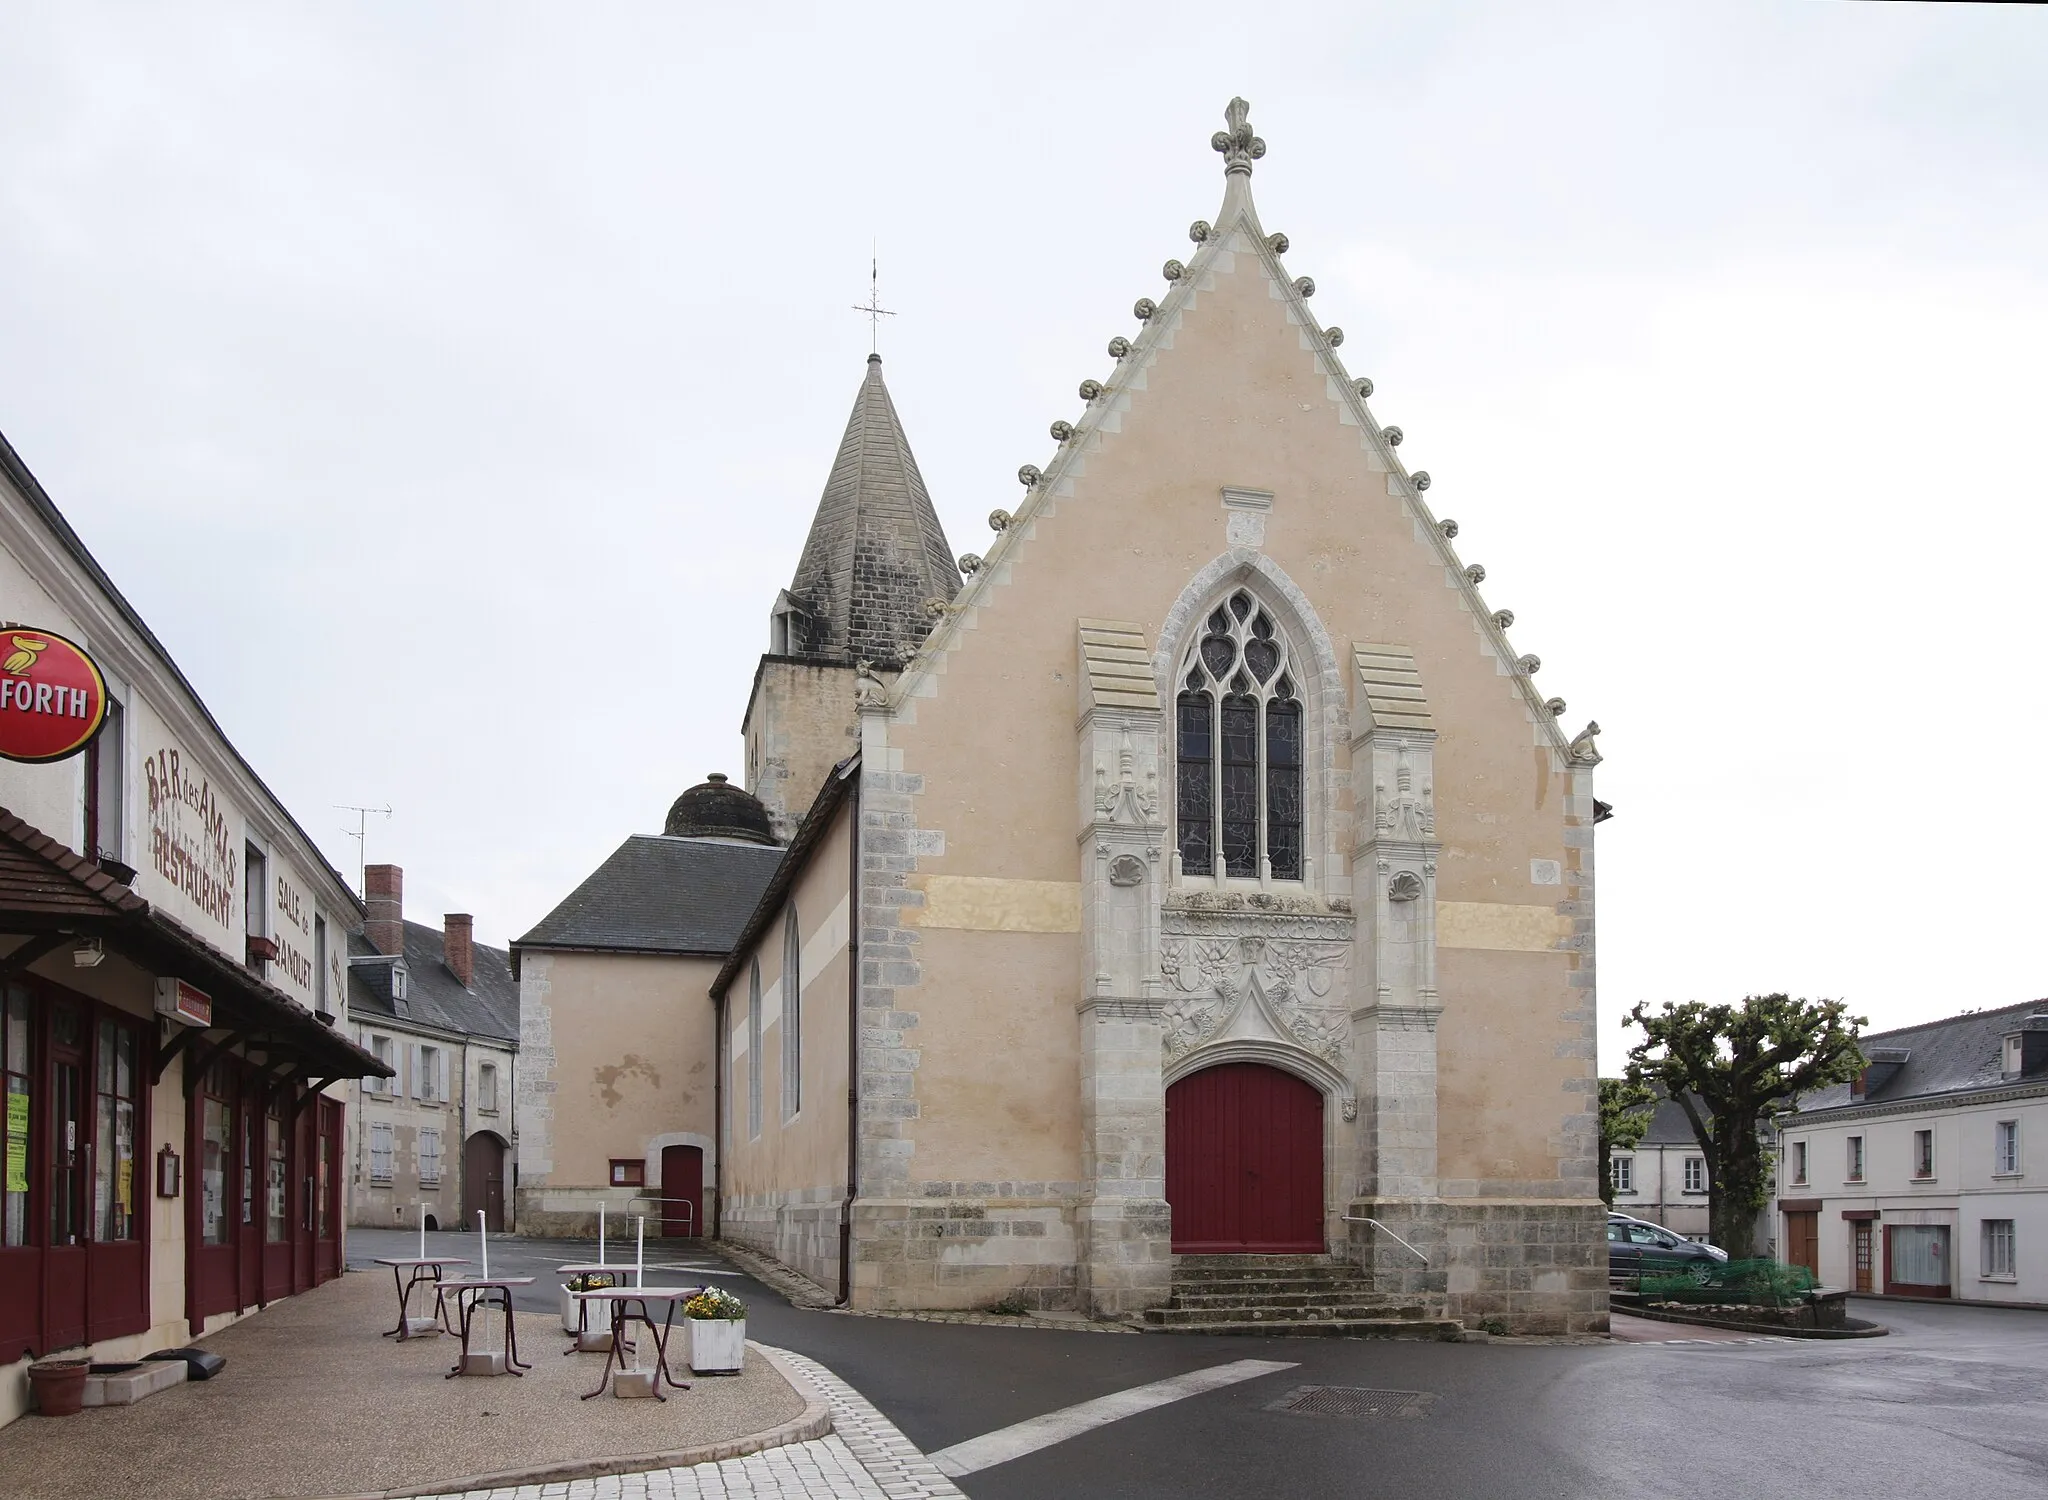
(852, 1049)
(718, 1114)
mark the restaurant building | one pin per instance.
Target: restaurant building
(173, 982)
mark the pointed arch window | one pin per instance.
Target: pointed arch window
(1238, 749)
(792, 1019)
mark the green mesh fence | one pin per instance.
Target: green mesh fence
(1753, 1283)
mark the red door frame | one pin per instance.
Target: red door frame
(112, 1277)
(1245, 1162)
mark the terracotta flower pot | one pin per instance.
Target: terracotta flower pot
(59, 1386)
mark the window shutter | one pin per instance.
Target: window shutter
(415, 1065)
(441, 1082)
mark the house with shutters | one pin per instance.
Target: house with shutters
(1663, 1178)
(434, 1141)
(1197, 871)
(1915, 1179)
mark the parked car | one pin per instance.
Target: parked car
(1635, 1248)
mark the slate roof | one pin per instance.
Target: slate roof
(658, 894)
(433, 995)
(876, 551)
(1945, 1057)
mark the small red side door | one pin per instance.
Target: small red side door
(682, 1191)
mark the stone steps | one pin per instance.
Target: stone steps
(1227, 1312)
(1267, 1293)
(1443, 1329)
(1282, 1296)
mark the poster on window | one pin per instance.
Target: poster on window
(17, 1143)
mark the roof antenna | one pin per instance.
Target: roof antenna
(361, 834)
(873, 306)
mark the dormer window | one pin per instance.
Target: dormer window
(1238, 750)
(398, 981)
(2010, 1063)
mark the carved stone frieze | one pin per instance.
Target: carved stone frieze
(1229, 979)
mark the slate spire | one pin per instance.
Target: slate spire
(876, 552)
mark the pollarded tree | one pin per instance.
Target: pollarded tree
(1624, 1116)
(1731, 1067)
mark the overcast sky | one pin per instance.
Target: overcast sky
(451, 387)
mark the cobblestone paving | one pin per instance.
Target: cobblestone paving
(864, 1457)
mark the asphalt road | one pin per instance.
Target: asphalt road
(1954, 1403)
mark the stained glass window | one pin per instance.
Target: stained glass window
(1239, 754)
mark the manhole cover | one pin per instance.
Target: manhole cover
(1351, 1401)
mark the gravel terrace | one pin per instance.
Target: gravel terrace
(315, 1402)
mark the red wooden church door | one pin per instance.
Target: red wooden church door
(1244, 1162)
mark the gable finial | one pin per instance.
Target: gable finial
(1239, 146)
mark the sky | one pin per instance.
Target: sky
(451, 388)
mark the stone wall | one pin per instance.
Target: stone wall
(1537, 1267)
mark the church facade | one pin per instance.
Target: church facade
(1199, 871)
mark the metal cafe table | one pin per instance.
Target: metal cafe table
(612, 1269)
(629, 1305)
(488, 1292)
(418, 1266)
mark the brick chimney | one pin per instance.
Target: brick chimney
(384, 895)
(455, 946)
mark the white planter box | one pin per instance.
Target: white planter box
(717, 1346)
(568, 1311)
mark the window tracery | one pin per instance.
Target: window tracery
(1238, 749)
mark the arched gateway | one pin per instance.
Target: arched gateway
(1244, 1162)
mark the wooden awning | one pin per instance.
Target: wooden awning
(50, 895)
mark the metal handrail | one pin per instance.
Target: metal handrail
(689, 1215)
(1357, 1219)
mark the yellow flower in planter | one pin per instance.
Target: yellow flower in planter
(714, 1304)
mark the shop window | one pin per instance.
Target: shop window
(69, 1122)
(216, 1153)
(1919, 1254)
(276, 1227)
(1923, 1153)
(487, 1088)
(1623, 1173)
(14, 1125)
(1999, 1259)
(380, 1153)
(1695, 1174)
(114, 1135)
(628, 1173)
(430, 1157)
(1855, 1158)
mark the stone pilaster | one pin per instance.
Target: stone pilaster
(1125, 1225)
(1395, 1005)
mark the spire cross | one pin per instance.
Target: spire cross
(873, 306)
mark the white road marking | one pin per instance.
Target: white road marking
(1006, 1443)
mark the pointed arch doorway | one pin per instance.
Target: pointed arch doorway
(1244, 1162)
